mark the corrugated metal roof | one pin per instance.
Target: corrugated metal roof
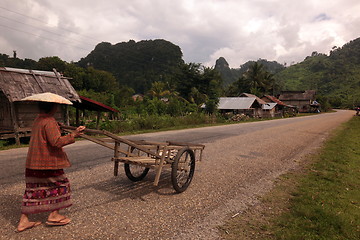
(30, 71)
(259, 100)
(17, 84)
(228, 103)
(268, 106)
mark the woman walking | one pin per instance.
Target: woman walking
(47, 187)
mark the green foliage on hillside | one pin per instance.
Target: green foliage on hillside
(336, 76)
(136, 64)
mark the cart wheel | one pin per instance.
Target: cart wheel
(182, 169)
(135, 172)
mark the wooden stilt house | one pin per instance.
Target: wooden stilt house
(16, 117)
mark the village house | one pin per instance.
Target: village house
(304, 101)
(16, 116)
(246, 104)
(269, 110)
(239, 105)
(280, 109)
(264, 110)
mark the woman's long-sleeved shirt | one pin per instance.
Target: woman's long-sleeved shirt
(45, 150)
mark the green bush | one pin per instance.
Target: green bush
(135, 122)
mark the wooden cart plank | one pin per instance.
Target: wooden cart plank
(145, 160)
(130, 143)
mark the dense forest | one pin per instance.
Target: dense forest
(154, 68)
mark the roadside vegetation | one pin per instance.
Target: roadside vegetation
(319, 201)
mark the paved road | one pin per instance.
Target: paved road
(240, 163)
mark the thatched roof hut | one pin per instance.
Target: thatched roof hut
(16, 117)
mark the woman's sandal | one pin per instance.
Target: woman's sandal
(60, 222)
(33, 224)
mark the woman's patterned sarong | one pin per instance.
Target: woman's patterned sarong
(46, 190)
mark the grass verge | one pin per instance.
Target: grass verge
(321, 200)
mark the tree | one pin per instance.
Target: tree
(187, 77)
(77, 75)
(123, 96)
(255, 77)
(269, 83)
(258, 80)
(213, 97)
(159, 90)
(48, 63)
(197, 97)
(193, 81)
(255, 80)
(100, 81)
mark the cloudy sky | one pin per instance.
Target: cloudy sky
(239, 30)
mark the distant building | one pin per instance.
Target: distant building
(263, 110)
(253, 106)
(302, 100)
(280, 109)
(245, 105)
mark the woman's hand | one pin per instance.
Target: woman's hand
(78, 131)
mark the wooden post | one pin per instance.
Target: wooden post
(66, 113)
(165, 153)
(77, 117)
(116, 155)
(15, 123)
(98, 119)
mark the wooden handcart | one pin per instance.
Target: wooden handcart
(140, 156)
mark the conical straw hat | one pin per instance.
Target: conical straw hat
(47, 97)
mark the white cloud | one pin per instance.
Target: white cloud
(239, 30)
